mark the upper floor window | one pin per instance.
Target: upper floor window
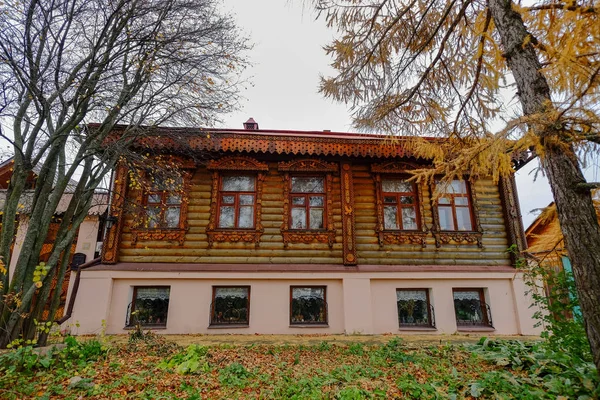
(235, 207)
(163, 203)
(400, 204)
(454, 206)
(237, 202)
(307, 199)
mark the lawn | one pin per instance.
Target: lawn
(156, 368)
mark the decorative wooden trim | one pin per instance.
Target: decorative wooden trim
(307, 165)
(398, 168)
(348, 216)
(308, 236)
(235, 163)
(110, 249)
(512, 214)
(445, 237)
(140, 233)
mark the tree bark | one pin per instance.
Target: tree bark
(576, 213)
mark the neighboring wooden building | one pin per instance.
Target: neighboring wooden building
(304, 232)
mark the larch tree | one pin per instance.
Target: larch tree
(66, 63)
(493, 77)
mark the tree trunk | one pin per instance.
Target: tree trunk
(574, 205)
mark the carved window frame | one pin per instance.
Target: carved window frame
(227, 166)
(398, 169)
(140, 233)
(307, 168)
(474, 236)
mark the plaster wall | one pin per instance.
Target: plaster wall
(357, 303)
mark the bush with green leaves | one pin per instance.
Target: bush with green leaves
(191, 361)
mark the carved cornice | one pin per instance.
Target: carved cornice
(237, 163)
(393, 167)
(307, 165)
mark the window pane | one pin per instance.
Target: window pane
(298, 218)
(169, 183)
(308, 305)
(409, 219)
(174, 199)
(463, 218)
(246, 217)
(444, 200)
(468, 307)
(396, 186)
(153, 214)
(390, 214)
(230, 305)
(246, 199)
(461, 201)
(453, 187)
(407, 200)
(228, 199)
(172, 217)
(151, 305)
(238, 184)
(446, 221)
(226, 215)
(298, 201)
(389, 199)
(307, 185)
(316, 218)
(412, 307)
(154, 198)
(316, 201)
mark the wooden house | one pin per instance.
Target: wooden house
(304, 232)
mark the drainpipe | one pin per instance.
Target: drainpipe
(69, 310)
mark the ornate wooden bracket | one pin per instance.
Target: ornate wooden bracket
(305, 166)
(446, 237)
(348, 216)
(110, 248)
(235, 163)
(397, 168)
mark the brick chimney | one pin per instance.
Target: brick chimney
(251, 124)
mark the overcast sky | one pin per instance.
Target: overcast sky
(288, 59)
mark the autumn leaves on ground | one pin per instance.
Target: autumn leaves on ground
(152, 367)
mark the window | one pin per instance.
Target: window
(235, 206)
(414, 308)
(307, 191)
(163, 203)
(400, 207)
(237, 200)
(230, 306)
(454, 207)
(470, 308)
(308, 305)
(150, 306)
(307, 199)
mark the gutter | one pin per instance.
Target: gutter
(69, 310)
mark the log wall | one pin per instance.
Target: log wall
(271, 249)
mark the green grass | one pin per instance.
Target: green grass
(158, 369)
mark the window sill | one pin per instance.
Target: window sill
(309, 325)
(418, 328)
(475, 328)
(232, 326)
(146, 327)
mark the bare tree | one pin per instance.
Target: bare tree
(441, 67)
(64, 63)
